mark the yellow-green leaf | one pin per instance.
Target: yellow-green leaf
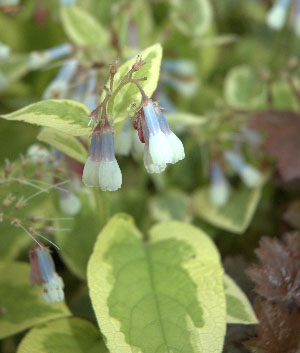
(70, 335)
(238, 307)
(82, 27)
(21, 303)
(192, 19)
(15, 67)
(236, 215)
(64, 115)
(65, 143)
(163, 295)
(244, 89)
(77, 245)
(129, 93)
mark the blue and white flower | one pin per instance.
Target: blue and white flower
(219, 188)
(249, 174)
(39, 59)
(101, 168)
(123, 141)
(91, 98)
(43, 273)
(162, 146)
(59, 87)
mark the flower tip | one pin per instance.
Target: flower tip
(90, 173)
(110, 176)
(251, 176)
(276, 17)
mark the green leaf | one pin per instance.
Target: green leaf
(244, 89)
(163, 295)
(15, 67)
(181, 121)
(283, 97)
(129, 93)
(71, 335)
(22, 304)
(174, 205)
(192, 20)
(65, 143)
(77, 245)
(238, 307)
(236, 215)
(82, 28)
(64, 115)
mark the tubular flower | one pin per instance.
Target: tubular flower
(58, 88)
(162, 146)
(249, 174)
(43, 273)
(123, 140)
(39, 59)
(219, 188)
(101, 168)
(91, 96)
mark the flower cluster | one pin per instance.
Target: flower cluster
(43, 273)
(278, 13)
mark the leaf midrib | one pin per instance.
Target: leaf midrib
(157, 306)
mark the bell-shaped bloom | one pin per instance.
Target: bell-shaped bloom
(249, 174)
(69, 202)
(4, 51)
(39, 59)
(123, 140)
(43, 273)
(59, 87)
(219, 189)
(162, 146)
(101, 168)
(277, 14)
(91, 98)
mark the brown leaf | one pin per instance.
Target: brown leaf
(282, 141)
(278, 329)
(278, 278)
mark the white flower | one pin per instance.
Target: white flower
(90, 175)
(4, 51)
(219, 189)
(69, 202)
(164, 145)
(110, 176)
(101, 168)
(53, 290)
(38, 154)
(277, 14)
(149, 165)
(251, 176)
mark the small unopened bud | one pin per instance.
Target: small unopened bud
(20, 203)
(10, 198)
(138, 64)
(113, 68)
(7, 168)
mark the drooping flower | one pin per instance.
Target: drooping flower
(59, 87)
(4, 51)
(101, 168)
(39, 59)
(43, 273)
(91, 92)
(277, 14)
(162, 146)
(219, 188)
(249, 174)
(69, 202)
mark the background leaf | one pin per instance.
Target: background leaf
(236, 215)
(238, 308)
(22, 304)
(64, 115)
(67, 144)
(82, 28)
(71, 335)
(163, 295)
(244, 89)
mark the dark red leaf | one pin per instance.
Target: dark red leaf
(282, 140)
